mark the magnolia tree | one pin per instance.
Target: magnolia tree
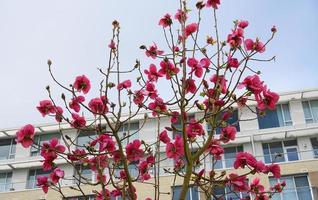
(212, 76)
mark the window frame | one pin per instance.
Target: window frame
(284, 151)
(190, 190)
(223, 160)
(7, 186)
(11, 155)
(312, 118)
(294, 188)
(282, 113)
(34, 180)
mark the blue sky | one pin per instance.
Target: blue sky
(75, 34)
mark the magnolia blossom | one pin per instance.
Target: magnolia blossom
(152, 73)
(51, 149)
(258, 46)
(213, 3)
(46, 107)
(253, 84)
(75, 103)
(190, 29)
(175, 150)
(124, 85)
(25, 135)
(168, 69)
(228, 133)
(82, 84)
(194, 129)
(190, 86)
(133, 151)
(97, 106)
(153, 51)
(165, 21)
(220, 81)
(164, 137)
(235, 39)
(158, 106)
(42, 181)
(139, 96)
(56, 175)
(78, 121)
(181, 16)
(243, 24)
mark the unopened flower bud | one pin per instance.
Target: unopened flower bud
(63, 96)
(49, 62)
(274, 29)
(200, 5)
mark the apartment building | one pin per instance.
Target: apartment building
(288, 135)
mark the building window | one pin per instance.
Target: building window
(132, 168)
(226, 193)
(7, 149)
(297, 187)
(233, 120)
(33, 174)
(192, 194)
(131, 129)
(228, 158)
(5, 181)
(275, 118)
(280, 151)
(311, 111)
(83, 139)
(83, 174)
(39, 140)
(314, 144)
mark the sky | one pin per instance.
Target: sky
(74, 34)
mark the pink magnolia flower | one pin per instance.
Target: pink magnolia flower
(243, 24)
(50, 149)
(191, 28)
(25, 135)
(256, 187)
(205, 62)
(150, 160)
(190, 86)
(78, 121)
(46, 107)
(98, 162)
(112, 44)
(238, 183)
(258, 46)
(215, 149)
(77, 154)
(243, 159)
(56, 175)
(82, 84)
(232, 62)
(158, 106)
(97, 106)
(101, 178)
(42, 181)
(58, 114)
(151, 90)
(175, 150)
(133, 151)
(75, 103)
(153, 51)
(253, 84)
(196, 67)
(213, 3)
(235, 38)
(106, 143)
(48, 164)
(174, 116)
(181, 16)
(269, 101)
(168, 69)
(124, 85)
(103, 194)
(228, 133)
(194, 129)
(221, 81)
(165, 21)
(274, 169)
(152, 73)
(164, 137)
(139, 96)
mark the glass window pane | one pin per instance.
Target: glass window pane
(292, 154)
(5, 145)
(314, 143)
(177, 191)
(307, 111)
(280, 117)
(277, 152)
(286, 113)
(290, 143)
(314, 109)
(84, 139)
(270, 120)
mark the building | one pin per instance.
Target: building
(288, 135)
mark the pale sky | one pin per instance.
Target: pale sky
(75, 34)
